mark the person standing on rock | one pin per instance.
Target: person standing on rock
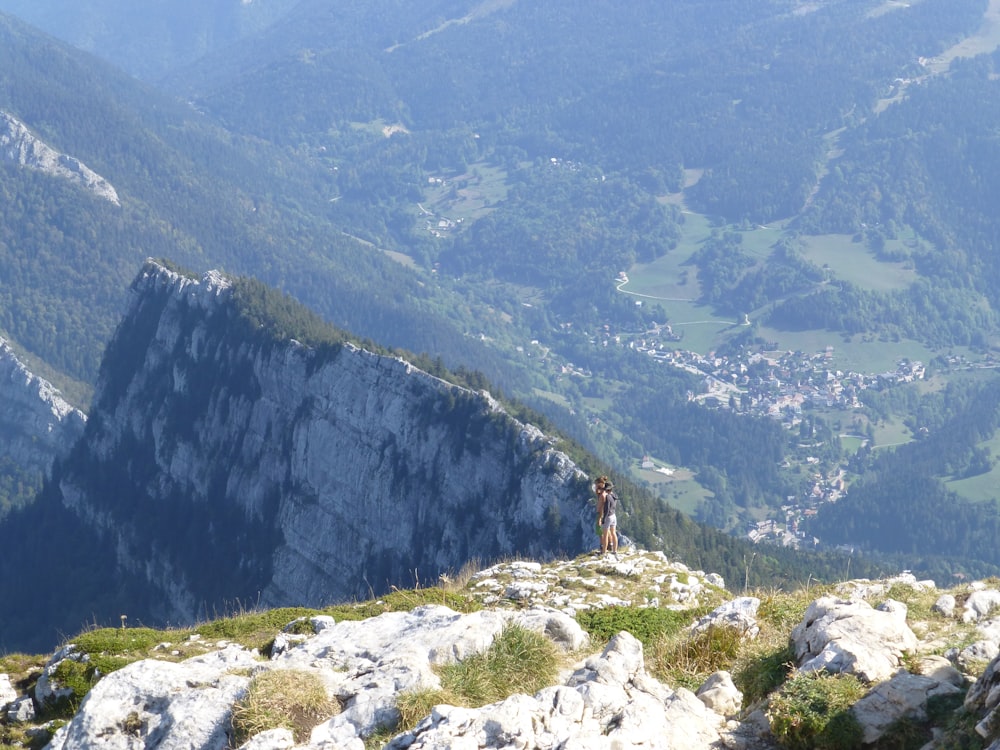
(607, 504)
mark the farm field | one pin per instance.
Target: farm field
(851, 261)
(982, 487)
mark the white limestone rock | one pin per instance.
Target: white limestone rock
(945, 605)
(7, 692)
(36, 423)
(979, 604)
(903, 696)
(20, 146)
(370, 662)
(720, 694)
(22, 710)
(739, 613)
(609, 702)
(848, 635)
(272, 739)
(160, 704)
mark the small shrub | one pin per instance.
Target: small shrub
(519, 660)
(253, 630)
(811, 711)
(687, 659)
(289, 698)
(760, 671)
(645, 623)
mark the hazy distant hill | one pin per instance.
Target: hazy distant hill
(148, 38)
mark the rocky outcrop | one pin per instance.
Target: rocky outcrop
(18, 145)
(222, 463)
(605, 692)
(849, 635)
(603, 697)
(36, 423)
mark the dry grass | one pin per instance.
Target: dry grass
(290, 698)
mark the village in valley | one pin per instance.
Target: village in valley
(772, 383)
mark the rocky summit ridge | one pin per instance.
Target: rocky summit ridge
(297, 473)
(924, 662)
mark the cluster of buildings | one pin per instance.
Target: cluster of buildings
(776, 384)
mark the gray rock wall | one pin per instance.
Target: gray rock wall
(223, 466)
(36, 423)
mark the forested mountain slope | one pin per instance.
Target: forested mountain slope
(188, 190)
(784, 175)
(239, 449)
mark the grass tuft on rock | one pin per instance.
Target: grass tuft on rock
(519, 660)
(290, 698)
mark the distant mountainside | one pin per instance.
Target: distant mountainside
(148, 39)
(224, 462)
(240, 450)
(190, 191)
(556, 195)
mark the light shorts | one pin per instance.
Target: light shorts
(610, 522)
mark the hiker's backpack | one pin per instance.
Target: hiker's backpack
(610, 503)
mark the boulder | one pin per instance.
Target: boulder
(7, 692)
(167, 705)
(848, 635)
(739, 613)
(945, 605)
(21, 710)
(903, 696)
(979, 604)
(720, 694)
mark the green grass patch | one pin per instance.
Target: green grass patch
(760, 671)
(982, 487)
(519, 660)
(253, 629)
(811, 712)
(685, 495)
(859, 353)
(404, 600)
(468, 196)
(687, 659)
(645, 623)
(891, 433)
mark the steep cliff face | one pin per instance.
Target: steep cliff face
(36, 423)
(223, 464)
(19, 146)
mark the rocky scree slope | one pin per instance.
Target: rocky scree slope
(924, 662)
(224, 462)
